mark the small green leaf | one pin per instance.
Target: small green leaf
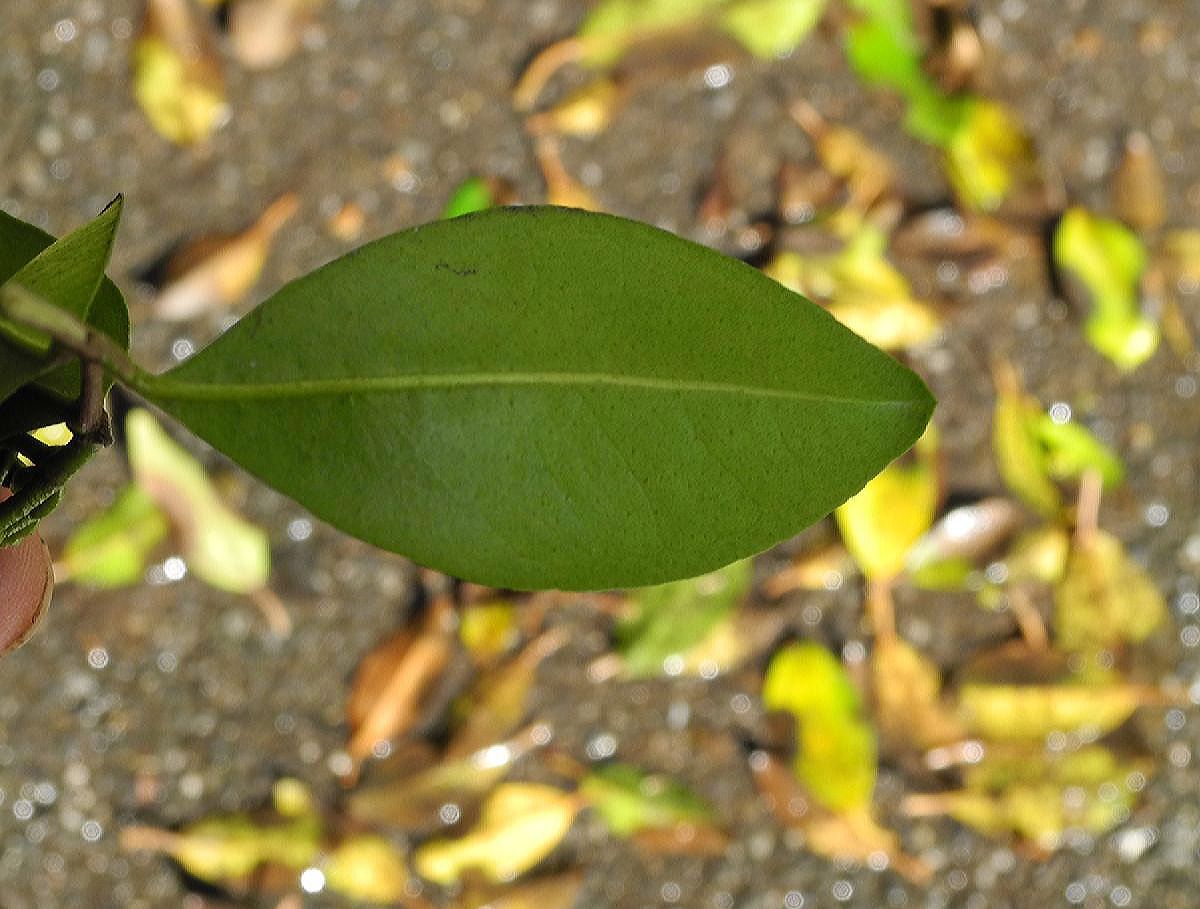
(1072, 450)
(111, 549)
(768, 28)
(836, 747)
(669, 619)
(68, 272)
(472, 195)
(630, 800)
(1006, 712)
(1108, 259)
(541, 397)
(222, 548)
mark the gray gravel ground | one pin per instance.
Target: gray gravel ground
(166, 702)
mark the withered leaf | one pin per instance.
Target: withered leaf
(385, 698)
(520, 825)
(217, 272)
(177, 75)
(1104, 599)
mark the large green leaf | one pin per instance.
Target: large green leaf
(70, 273)
(542, 397)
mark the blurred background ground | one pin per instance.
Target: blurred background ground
(169, 701)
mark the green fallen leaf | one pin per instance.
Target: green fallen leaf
(223, 549)
(112, 548)
(670, 619)
(538, 420)
(836, 748)
(1108, 260)
(472, 195)
(630, 800)
(986, 150)
(1105, 599)
(1072, 450)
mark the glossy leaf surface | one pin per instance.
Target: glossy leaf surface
(542, 398)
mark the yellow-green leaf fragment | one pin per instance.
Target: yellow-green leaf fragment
(1108, 260)
(861, 289)
(488, 630)
(892, 512)
(1038, 555)
(1071, 450)
(219, 546)
(1039, 796)
(668, 620)
(228, 848)
(368, 868)
(520, 825)
(1009, 712)
(1020, 456)
(836, 748)
(177, 78)
(988, 154)
(112, 549)
(1105, 599)
(630, 800)
(770, 28)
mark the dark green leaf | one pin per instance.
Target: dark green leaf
(539, 397)
(670, 619)
(70, 273)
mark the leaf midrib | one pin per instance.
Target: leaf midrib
(164, 388)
